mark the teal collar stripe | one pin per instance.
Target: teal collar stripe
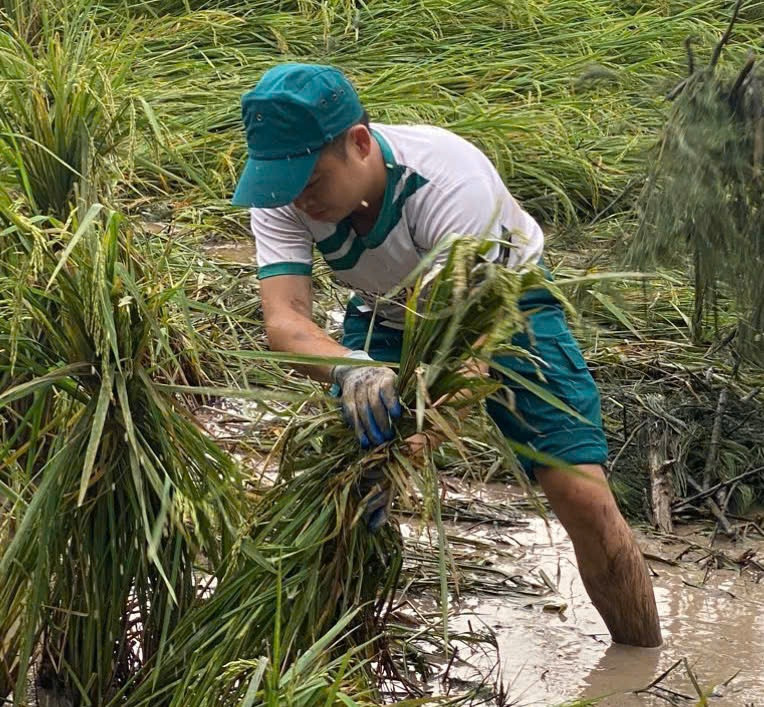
(413, 182)
(389, 215)
(384, 223)
(349, 260)
(335, 241)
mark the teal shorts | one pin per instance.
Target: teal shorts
(532, 422)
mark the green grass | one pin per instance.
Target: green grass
(565, 121)
(120, 143)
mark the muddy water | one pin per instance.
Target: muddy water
(555, 648)
(233, 252)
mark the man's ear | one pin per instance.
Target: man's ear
(359, 139)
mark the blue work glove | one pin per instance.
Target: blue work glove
(369, 399)
(374, 487)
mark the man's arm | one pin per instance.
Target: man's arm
(368, 393)
(287, 308)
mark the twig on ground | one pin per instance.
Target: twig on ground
(742, 76)
(703, 701)
(690, 56)
(625, 445)
(716, 434)
(715, 510)
(681, 503)
(750, 395)
(659, 467)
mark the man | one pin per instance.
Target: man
(373, 199)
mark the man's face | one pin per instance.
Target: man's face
(339, 182)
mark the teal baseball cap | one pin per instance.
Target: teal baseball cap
(292, 112)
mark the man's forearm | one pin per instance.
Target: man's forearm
(298, 334)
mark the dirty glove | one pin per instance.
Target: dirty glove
(375, 488)
(369, 399)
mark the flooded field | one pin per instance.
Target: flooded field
(555, 649)
(551, 647)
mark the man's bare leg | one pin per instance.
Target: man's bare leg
(609, 559)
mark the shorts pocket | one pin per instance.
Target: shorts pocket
(572, 354)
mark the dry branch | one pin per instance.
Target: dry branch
(716, 435)
(660, 477)
(726, 36)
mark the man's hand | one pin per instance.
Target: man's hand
(375, 488)
(431, 439)
(369, 399)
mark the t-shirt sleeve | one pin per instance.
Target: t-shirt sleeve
(470, 208)
(284, 245)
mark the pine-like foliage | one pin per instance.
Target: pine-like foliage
(703, 199)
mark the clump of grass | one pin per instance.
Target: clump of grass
(64, 112)
(705, 190)
(24, 17)
(110, 490)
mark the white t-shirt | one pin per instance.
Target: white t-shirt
(438, 184)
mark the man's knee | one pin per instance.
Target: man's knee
(582, 500)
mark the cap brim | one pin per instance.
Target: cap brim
(269, 183)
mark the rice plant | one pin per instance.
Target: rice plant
(308, 558)
(113, 501)
(110, 489)
(24, 17)
(565, 98)
(64, 114)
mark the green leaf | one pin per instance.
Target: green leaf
(24, 389)
(87, 222)
(254, 683)
(616, 311)
(318, 648)
(96, 431)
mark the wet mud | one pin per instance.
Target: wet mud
(555, 649)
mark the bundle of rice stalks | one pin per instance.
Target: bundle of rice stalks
(109, 489)
(309, 558)
(705, 190)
